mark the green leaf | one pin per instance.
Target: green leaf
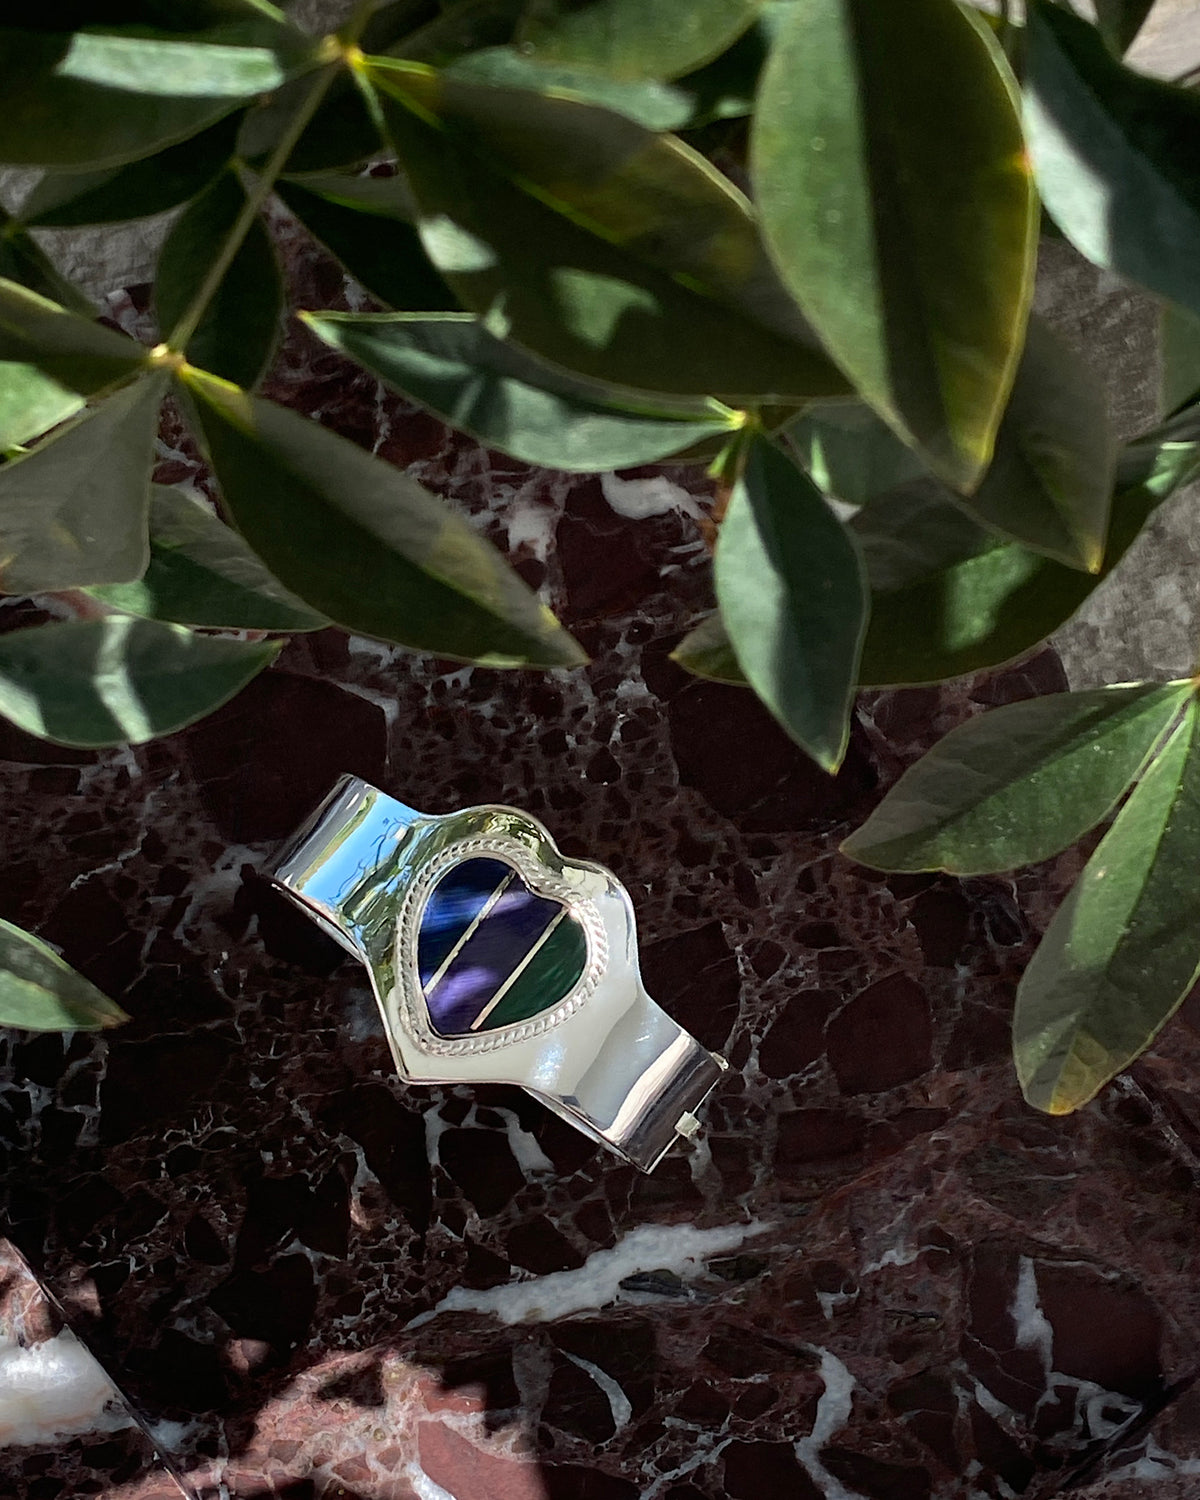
(82, 355)
(1122, 950)
(202, 573)
(988, 607)
(614, 252)
(1019, 784)
(236, 337)
(120, 681)
(896, 200)
(1050, 481)
(1105, 143)
(39, 992)
(24, 261)
(792, 594)
(1164, 459)
(380, 249)
(850, 453)
(634, 38)
(342, 133)
(1121, 20)
(1179, 343)
(365, 545)
(655, 105)
(511, 401)
(100, 97)
(150, 186)
(50, 361)
(916, 530)
(706, 652)
(73, 510)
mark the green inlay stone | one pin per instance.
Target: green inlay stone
(555, 969)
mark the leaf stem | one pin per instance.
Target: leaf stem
(179, 336)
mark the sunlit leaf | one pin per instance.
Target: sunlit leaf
(1050, 480)
(73, 510)
(236, 336)
(656, 105)
(202, 573)
(39, 992)
(1105, 143)
(793, 597)
(615, 252)
(149, 186)
(99, 97)
(1123, 949)
(380, 247)
(850, 453)
(1018, 784)
(51, 360)
(634, 38)
(364, 544)
(119, 681)
(898, 205)
(914, 531)
(511, 401)
(706, 651)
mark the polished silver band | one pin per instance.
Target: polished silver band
(613, 1063)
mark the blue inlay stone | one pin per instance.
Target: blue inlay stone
(463, 970)
(453, 905)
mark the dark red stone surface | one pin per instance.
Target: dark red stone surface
(928, 1291)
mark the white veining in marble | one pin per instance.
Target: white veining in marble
(651, 1247)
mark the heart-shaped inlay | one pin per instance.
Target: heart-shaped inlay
(492, 952)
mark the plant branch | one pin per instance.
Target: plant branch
(179, 336)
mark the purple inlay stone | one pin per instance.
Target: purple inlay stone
(488, 957)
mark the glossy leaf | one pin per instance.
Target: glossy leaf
(236, 336)
(100, 97)
(1018, 784)
(792, 594)
(511, 401)
(986, 608)
(1164, 459)
(381, 250)
(1050, 481)
(898, 206)
(1121, 20)
(1105, 143)
(1179, 345)
(23, 261)
(850, 453)
(1122, 950)
(915, 530)
(120, 681)
(706, 651)
(651, 103)
(39, 992)
(343, 133)
(364, 544)
(634, 38)
(202, 573)
(51, 360)
(73, 510)
(150, 186)
(612, 251)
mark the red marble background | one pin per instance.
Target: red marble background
(241, 1211)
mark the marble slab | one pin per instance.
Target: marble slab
(876, 1273)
